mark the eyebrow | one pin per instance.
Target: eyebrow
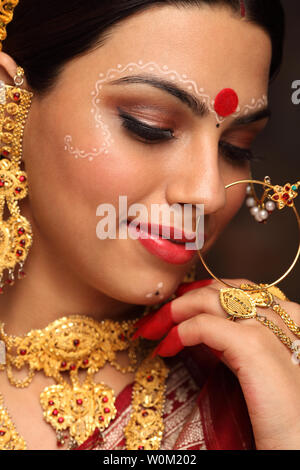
(198, 107)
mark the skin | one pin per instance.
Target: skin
(71, 272)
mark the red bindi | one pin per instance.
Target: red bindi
(226, 102)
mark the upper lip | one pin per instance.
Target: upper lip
(161, 230)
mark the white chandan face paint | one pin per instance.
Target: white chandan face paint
(158, 292)
(221, 106)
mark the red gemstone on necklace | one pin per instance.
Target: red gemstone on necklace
(2, 433)
(76, 342)
(106, 410)
(287, 188)
(23, 242)
(79, 401)
(149, 378)
(61, 420)
(22, 179)
(21, 231)
(19, 252)
(50, 402)
(101, 418)
(73, 366)
(2, 182)
(141, 448)
(286, 196)
(63, 364)
(18, 190)
(55, 412)
(16, 96)
(145, 413)
(23, 352)
(276, 197)
(85, 362)
(104, 399)
(5, 153)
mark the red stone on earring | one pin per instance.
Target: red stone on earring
(16, 96)
(226, 102)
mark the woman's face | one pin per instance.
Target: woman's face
(99, 119)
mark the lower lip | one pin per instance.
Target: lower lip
(164, 249)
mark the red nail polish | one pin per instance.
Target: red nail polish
(158, 325)
(171, 345)
(186, 287)
(143, 320)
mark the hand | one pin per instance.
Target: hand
(269, 379)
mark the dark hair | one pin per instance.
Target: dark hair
(45, 34)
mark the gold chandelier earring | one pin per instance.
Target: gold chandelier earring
(15, 230)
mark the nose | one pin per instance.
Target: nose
(196, 178)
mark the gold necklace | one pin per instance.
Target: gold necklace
(79, 342)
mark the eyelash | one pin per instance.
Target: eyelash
(150, 135)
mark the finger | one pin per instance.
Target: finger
(181, 290)
(214, 332)
(181, 309)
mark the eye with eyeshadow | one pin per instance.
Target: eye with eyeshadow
(144, 132)
(155, 135)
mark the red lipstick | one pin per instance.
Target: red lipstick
(151, 236)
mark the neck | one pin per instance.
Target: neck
(50, 291)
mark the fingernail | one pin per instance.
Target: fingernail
(170, 346)
(157, 325)
(186, 287)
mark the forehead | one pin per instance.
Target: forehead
(213, 46)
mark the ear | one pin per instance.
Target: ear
(8, 69)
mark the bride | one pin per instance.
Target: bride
(158, 102)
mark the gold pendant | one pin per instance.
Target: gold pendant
(80, 409)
